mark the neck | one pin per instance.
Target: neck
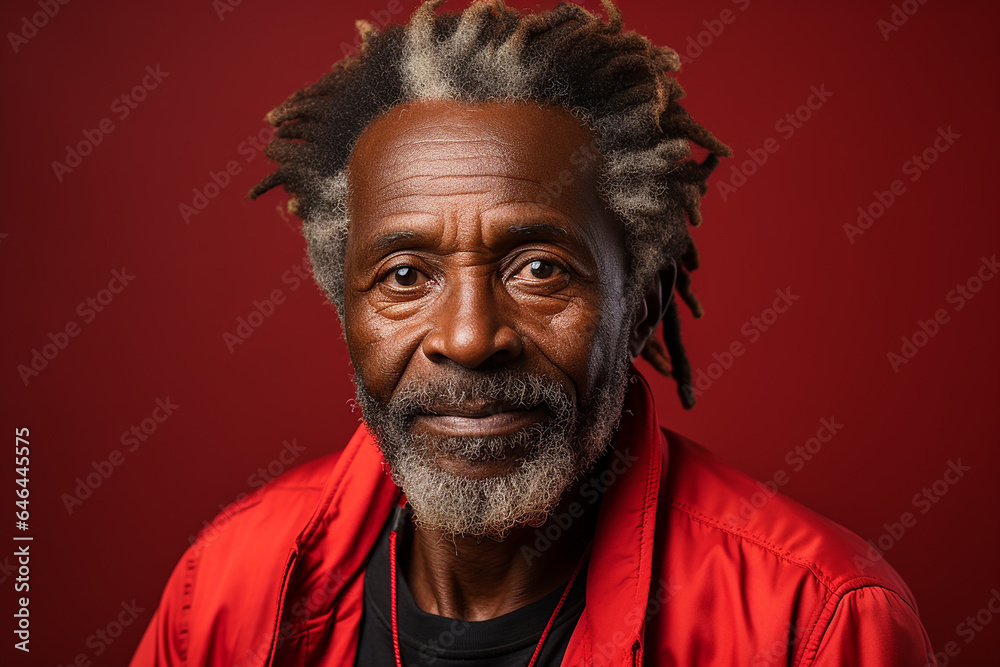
(478, 579)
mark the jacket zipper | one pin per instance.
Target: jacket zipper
(635, 653)
(275, 639)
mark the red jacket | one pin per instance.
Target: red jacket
(279, 580)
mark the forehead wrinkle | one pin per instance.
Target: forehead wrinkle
(398, 190)
(491, 159)
(469, 148)
(462, 163)
(476, 166)
(451, 140)
(439, 177)
(403, 227)
(470, 125)
(406, 166)
(406, 195)
(457, 138)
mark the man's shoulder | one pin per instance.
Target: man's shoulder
(278, 509)
(773, 531)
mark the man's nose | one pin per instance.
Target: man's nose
(471, 328)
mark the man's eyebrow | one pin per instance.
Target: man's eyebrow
(386, 241)
(538, 228)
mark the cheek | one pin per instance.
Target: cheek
(380, 347)
(598, 333)
(576, 341)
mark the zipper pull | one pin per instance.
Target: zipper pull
(635, 653)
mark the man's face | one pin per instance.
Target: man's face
(484, 308)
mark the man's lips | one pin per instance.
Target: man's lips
(497, 420)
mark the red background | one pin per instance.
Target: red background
(162, 336)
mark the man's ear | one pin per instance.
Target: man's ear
(653, 307)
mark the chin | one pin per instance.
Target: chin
(480, 468)
(485, 498)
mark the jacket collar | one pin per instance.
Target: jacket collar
(618, 578)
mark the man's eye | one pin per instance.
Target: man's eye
(404, 276)
(541, 269)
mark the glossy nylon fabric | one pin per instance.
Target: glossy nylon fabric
(674, 577)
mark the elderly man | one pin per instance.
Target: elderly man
(497, 204)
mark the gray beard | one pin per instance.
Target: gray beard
(556, 451)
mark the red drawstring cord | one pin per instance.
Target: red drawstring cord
(392, 583)
(545, 632)
(552, 619)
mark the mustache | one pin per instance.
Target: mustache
(484, 393)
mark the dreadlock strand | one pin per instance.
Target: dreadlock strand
(684, 289)
(285, 150)
(567, 12)
(693, 212)
(471, 24)
(272, 180)
(327, 82)
(681, 368)
(311, 109)
(614, 24)
(299, 130)
(666, 59)
(683, 124)
(655, 353)
(691, 260)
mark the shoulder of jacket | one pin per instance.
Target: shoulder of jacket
(700, 487)
(271, 514)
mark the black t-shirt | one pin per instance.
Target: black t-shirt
(431, 640)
